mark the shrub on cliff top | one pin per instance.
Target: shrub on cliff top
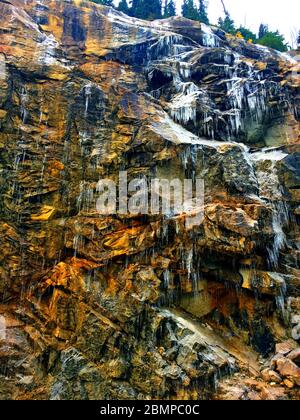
(274, 40)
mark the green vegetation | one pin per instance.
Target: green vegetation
(247, 34)
(145, 9)
(263, 30)
(273, 40)
(169, 9)
(227, 24)
(203, 16)
(264, 37)
(191, 11)
(123, 7)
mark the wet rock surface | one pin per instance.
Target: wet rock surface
(87, 300)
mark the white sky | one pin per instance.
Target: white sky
(283, 15)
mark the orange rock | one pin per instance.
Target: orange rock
(289, 384)
(46, 213)
(271, 376)
(288, 369)
(286, 347)
(294, 355)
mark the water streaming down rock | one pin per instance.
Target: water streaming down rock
(85, 198)
(23, 101)
(2, 328)
(169, 45)
(47, 53)
(209, 38)
(281, 303)
(239, 112)
(271, 189)
(85, 92)
(183, 107)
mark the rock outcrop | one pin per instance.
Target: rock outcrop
(138, 306)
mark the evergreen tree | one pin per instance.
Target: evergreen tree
(169, 9)
(274, 40)
(146, 9)
(137, 9)
(271, 39)
(227, 25)
(104, 2)
(263, 30)
(298, 39)
(189, 10)
(203, 17)
(123, 7)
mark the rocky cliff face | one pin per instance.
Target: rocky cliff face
(129, 306)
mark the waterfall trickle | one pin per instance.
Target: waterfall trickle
(47, 53)
(281, 303)
(238, 109)
(167, 278)
(88, 93)
(85, 198)
(2, 328)
(270, 189)
(209, 38)
(169, 45)
(23, 103)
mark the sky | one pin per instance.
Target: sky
(283, 15)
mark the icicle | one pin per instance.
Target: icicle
(236, 92)
(270, 189)
(189, 262)
(88, 92)
(185, 69)
(281, 302)
(85, 197)
(169, 45)
(208, 125)
(209, 39)
(2, 328)
(41, 117)
(279, 220)
(24, 100)
(166, 279)
(48, 49)
(43, 166)
(183, 108)
(257, 101)
(78, 243)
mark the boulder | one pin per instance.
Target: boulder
(271, 376)
(285, 347)
(289, 369)
(289, 384)
(294, 356)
